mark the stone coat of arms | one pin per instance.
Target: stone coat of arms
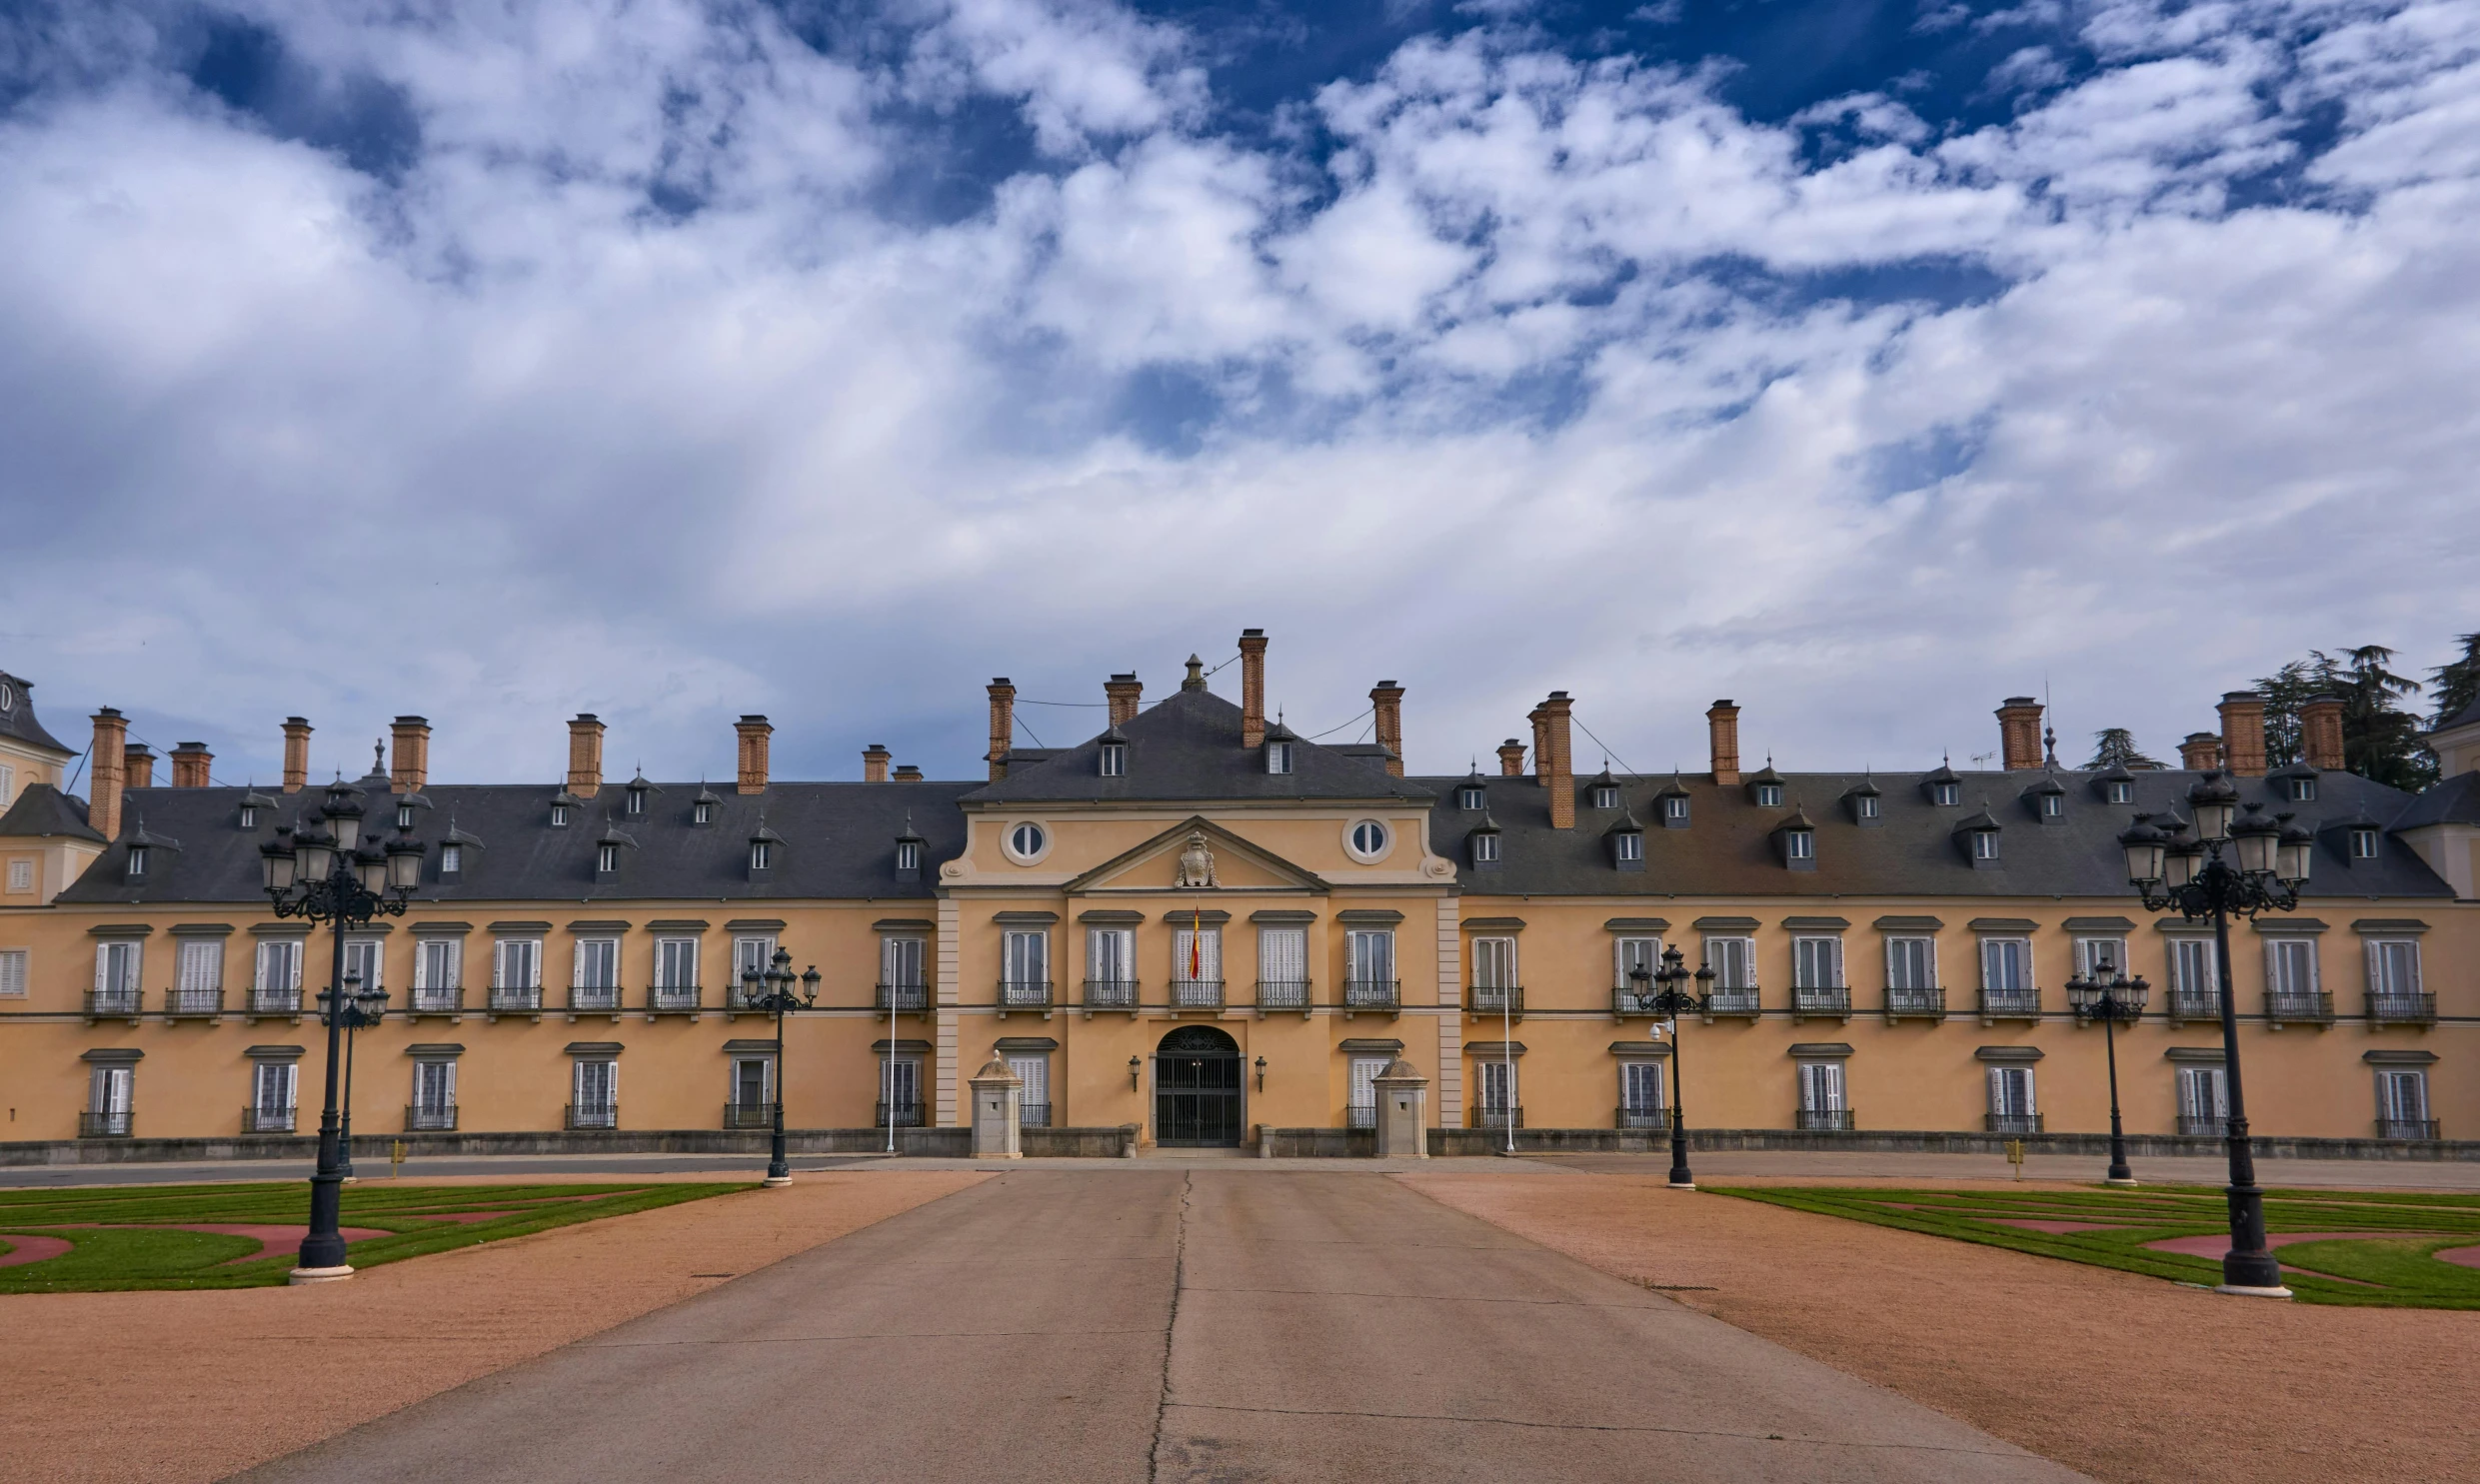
(1196, 864)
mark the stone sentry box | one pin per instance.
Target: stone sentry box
(998, 1103)
(1403, 1111)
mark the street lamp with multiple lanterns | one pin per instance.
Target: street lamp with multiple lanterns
(2109, 996)
(2232, 864)
(1670, 1001)
(363, 1009)
(326, 871)
(770, 992)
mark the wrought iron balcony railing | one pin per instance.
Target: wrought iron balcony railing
(1196, 994)
(1361, 1115)
(101, 1002)
(1821, 999)
(1028, 995)
(1109, 994)
(1493, 999)
(266, 1001)
(594, 1114)
(1653, 1119)
(1625, 1002)
(435, 999)
(92, 1125)
(2014, 1123)
(2406, 1128)
(2010, 1005)
(431, 1119)
(1837, 1121)
(2196, 1126)
(1498, 1118)
(749, 1115)
(267, 1120)
(1371, 995)
(907, 1115)
(2193, 1005)
(1033, 1115)
(2299, 1007)
(1742, 1000)
(1283, 994)
(523, 998)
(672, 999)
(185, 1003)
(740, 996)
(2402, 1009)
(904, 997)
(1915, 1005)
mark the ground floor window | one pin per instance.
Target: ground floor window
(2011, 1107)
(274, 1086)
(2402, 1105)
(434, 1096)
(1641, 1103)
(110, 1091)
(899, 1099)
(1821, 1103)
(1361, 1107)
(2203, 1100)
(594, 1094)
(1496, 1099)
(1033, 1071)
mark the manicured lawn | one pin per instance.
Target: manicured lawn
(136, 1237)
(2391, 1265)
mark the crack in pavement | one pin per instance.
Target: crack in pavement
(1659, 1308)
(1170, 1323)
(832, 1339)
(1614, 1427)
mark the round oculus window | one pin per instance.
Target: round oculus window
(1369, 841)
(8, 696)
(1028, 842)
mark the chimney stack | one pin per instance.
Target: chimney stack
(1511, 758)
(1253, 686)
(2320, 733)
(107, 761)
(2243, 733)
(192, 766)
(874, 763)
(584, 755)
(906, 772)
(296, 753)
(1560, 776)
(2019, 733)
(753, 731)
(2201, 751)
(1002, 725)
(410, 766)
(1123, 692)
(1722, 725)
(1386, 700)
(137, 766)
(1540, 745)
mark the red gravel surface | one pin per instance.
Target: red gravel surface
(25, 1249)
(2122, 1377)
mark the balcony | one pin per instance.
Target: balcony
(1741, 1000)
(2199, 1127)
(434, 999)
(1284, 994)
(1372, 995)
(1658, 1119)
(1625, 1002)
(740, 998)
(1831, 1120)
(1821, 999)
(1107, 994)
(593, 1115)
(2010, 1005)
(431, 1119)
(904, 998)
(193, 1004)
(2402, 1009)
(2299, 1007)
(2407, 1129)
(102, 1002)
(1915, 1005)
(526, 999)
(265, 1002)
(1361, 1115)
(2192, 1004)
(1495, 999)
(1035, 994)
(665, 1000)
(749, 1115)
(2013, 1123)
(1196, 994)
(104, 1125)
(1496, 1117)
(909, 1115)
(267, 1120)
(1033, 1115)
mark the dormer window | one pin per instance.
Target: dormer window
(2052, 807)
(137, 862)
(1606, 797)
(2302, 790)
(1278, 758)
(2363, 844)
(907, 854)
(1630, 847)
(637, 801)
(249, 817)
(2123, 793)
(1984, 844)
(606, 859)
(1865, 807)
(559, 817)
(403, 817)
(1800, 844)
(1770, 794)
(760, 855)
(702, 813)
(1115, 760)
(1674, 812)
(451, 860)
(1946, 794)
(1469, 799)
(1485, 849)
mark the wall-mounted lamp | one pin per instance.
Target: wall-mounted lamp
(1134, 1066)
(1261, 1074)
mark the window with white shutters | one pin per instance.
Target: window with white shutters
(1196, 965)
(13, 964)
(117, 965)
(1628, 954)
(2191, 968)
(1035, 1072)
(21, 876)
(363, 961)
(903, 962)
(1373, 956)
(271, 1096)
(1282, 955)
(753, 1079)
(435, 1086)
(1820, 1086)
(2006, 963)
(1109, 955)
(2402, 1096)
(2010, 1091)
(1733, 961)
(517, 963)
(8, 785)
(2394, 966)
(1362, 1107)
(597, 1082)
(1912, 963)
(1496, 1079)
(279, 965)
(202, 967)
(1027, 959)
(439, 964)
(111, 1090)
(1818, 963)
(1640, 1086)
(2290, 967)
(2100, 957)
(2203, 1100)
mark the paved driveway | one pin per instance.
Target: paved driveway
(1144, 1324)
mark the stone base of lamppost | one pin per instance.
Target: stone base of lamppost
(1680, 1186)
(2120, 1180)
(303, 1276)
(2246, 1290)
(776, 1183)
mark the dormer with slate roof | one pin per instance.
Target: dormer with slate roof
(1977, 837)
(1481, 848)
(1796, 842)
(1863, 804)
(1601, 791)
(1627, 837)
(2044, 799)
(2114, 784)
(1765, 787)
(1472, 795)
(1942, 786)
(1670, 806)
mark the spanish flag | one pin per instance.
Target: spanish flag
(1196, 945)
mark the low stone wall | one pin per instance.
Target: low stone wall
(1317, 1143)
(1079, 1143)
(930, 1142)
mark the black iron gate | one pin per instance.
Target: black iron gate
(1197, 1089)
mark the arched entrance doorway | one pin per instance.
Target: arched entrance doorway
(1197, 1089)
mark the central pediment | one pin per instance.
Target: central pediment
(1239, 864)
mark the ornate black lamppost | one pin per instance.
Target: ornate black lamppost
(771, 992)
(326, 871)
(1670, 1001)
(364, 1008)
(2112, 999)
(2171, 869)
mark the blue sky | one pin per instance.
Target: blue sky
(1866, 363)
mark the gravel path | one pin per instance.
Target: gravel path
(2121, 1376)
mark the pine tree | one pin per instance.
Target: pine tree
(2456, 686)
(2380, 740)
(2285, 691)
(2114, 746)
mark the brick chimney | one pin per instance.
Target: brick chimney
(753, 731)
(107, 759)
(1002, 725)
(1386, 698)
(2201, 751)
(296, 753)
(192, 766)
(2019, 733)
(2243, 733)
(2320, 732)
(874, 763)
(1540, 745)
(1124, 691)
(409, 767)
(906, 772)
(137, 766)
(584, 755)
(1253, 686)
(1511, 758)
(1560, 775)
(1722, 725)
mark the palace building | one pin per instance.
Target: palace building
(1200, 927)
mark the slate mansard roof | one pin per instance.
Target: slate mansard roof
(17, 718)
(1728, 848)
(1186, 748)
(838, 841)
(42, 810)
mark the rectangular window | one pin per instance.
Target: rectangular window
(2006, 963)
(1279, 757)
(2052, 807)
(2394, 966)
(1493, 964)
(2290, 966)
(904, 1087)
(21, 876)
(451, 860)
(1674, 809)
(1485, 850)
(202, 967)
(111, 1090)
(435, 1086)
(1984, 844)
(2123, 793)
(2402, 1096)
(760, 855)
(362, 962)
(8, 785)
(13, 972)
(1373, 956)
(1631, 845)
(594, 972)
(1196, 954)
(2010, 1091)
(753, 1081)
(1282, 966)
(439, 964)
(1109, 955)
(272, 1091)
(1628, 954)
(1912, 963)
(607, 859)
(2100, 957)
(1363, 1092)
(752, 956)
(1025, 959)
(279, 965)
(597, 1083)
(2191, 968)
(1818, 963)
(2363, 844)
(1115, 760)
(1035, 1072)
(908, 856)
(517, 963)
(903, 962)
(117, 967)
(675, 963)
(2203, 1100)
(1949, 793)
(1820, 1086)
(1800, 844)
(1868, 807)
(1733, 961)
(1640, 1087)
(1496, 1079)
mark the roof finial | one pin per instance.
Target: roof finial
(1195, 680)
(378, 754)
